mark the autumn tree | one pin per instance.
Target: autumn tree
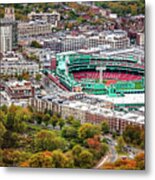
(41, 159)
(94, 142)
(122, 164)
(96, 147)
(138, 163)
(140, 159)
(13, 157)
(88, 130)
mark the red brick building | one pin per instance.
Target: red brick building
(19, 90)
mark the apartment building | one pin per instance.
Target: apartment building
(88, 112)
(28, 29)
(51, 18)
(17, 68)
(19, 89)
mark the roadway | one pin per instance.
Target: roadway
(111, 156)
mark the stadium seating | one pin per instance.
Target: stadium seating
(106, 75)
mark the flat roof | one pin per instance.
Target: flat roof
(127, 99)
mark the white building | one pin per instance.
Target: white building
(51, 18)
(27, 29)
(5, 35)
(72, 43)
(12, 65)
(8, 31)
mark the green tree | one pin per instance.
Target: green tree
(2, 116)
(48, 140)
(38, 77)
(2, 132)
(70, 119)
(70, 159)
(88, 130)
(86, 159)
(105, 127)
(15, 119)
(69, 132)
(54, 120)
(61, 122)
(46, 118)
(11, 117)
(42, 140)
(58, 143)
(76, 150)
(38, 117)
(36, 44)
(61, 160)
(134, 135)
(104, 149)
(76, 123)
(11, 140)
(1, 158)
(120, 144)
(4, 108)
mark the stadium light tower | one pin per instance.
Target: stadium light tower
(101, 69)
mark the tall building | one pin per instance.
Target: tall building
(9, 13)
(5, 35)
(8, 31)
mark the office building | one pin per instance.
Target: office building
(8, 31)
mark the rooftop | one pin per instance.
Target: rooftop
(128, 99)
(95, 105)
